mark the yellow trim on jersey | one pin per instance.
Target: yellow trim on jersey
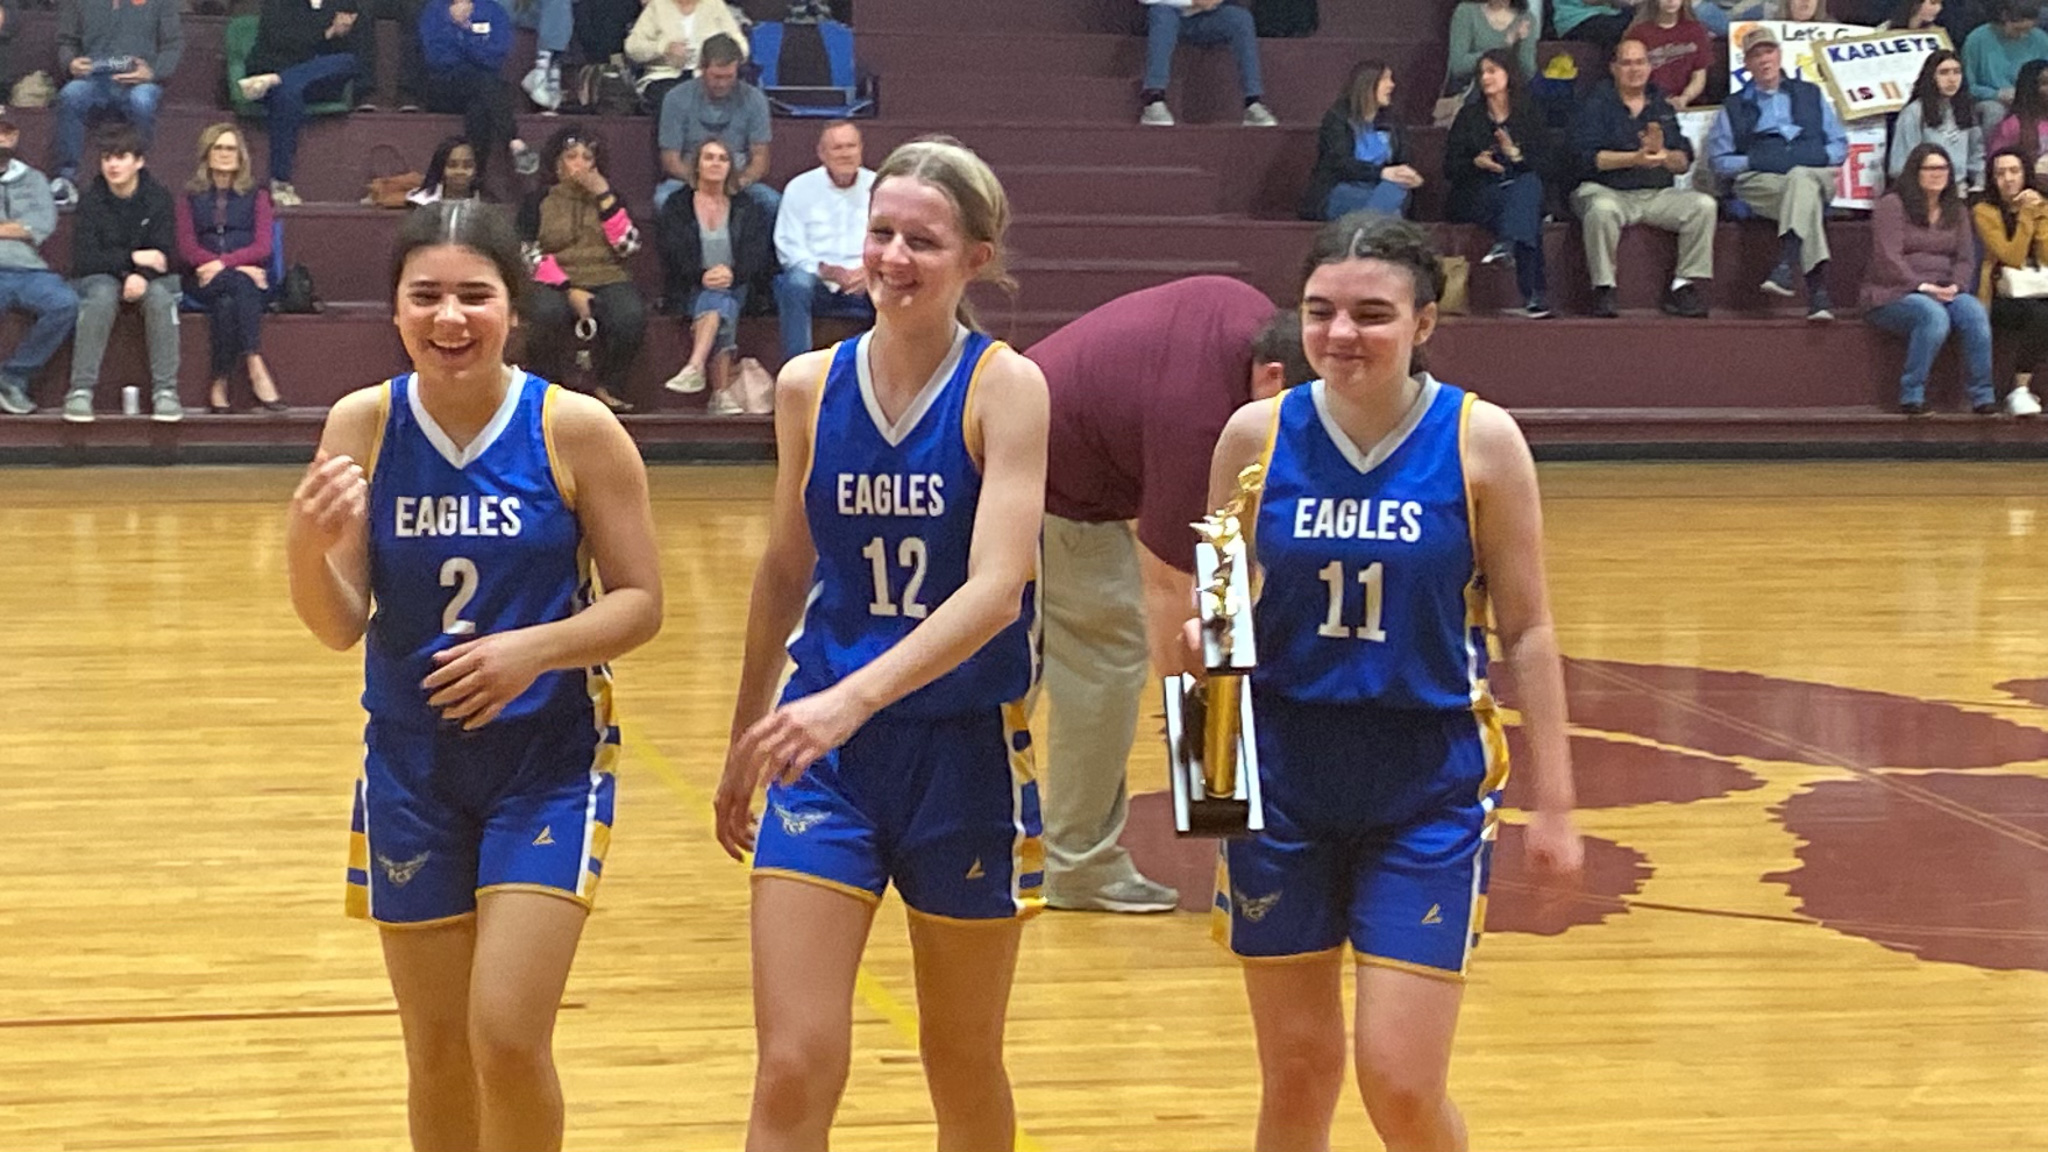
(1465, 478)
(860, 894)
(1027, 852)
(558, 467)
(408, 925)
(817, 410)
(1494, 739)
(377, 440)
(1296, 958)
(1017, 917)
(540, 890)
(970, 430)
(1366, 960)
(1258, 499)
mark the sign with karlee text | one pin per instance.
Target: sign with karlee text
(1874, 75)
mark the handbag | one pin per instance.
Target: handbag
(756, 387)
(296, 295)
(390, 191)
(607, 89)
(1455, 299)
(35, 90)
(2029, 283)
(1447, 107)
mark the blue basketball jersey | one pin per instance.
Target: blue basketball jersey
(469, 541)
(891, 512)
(1371, 592)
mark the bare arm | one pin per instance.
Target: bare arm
(1507, 531)
(673, 167)
(327, 544)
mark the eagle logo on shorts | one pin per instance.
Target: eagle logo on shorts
(797, 823)
(1252, 908)
(401, 873)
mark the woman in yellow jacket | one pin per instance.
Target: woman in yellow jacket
(665, 39)
(2012, 223)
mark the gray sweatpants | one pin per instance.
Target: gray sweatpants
(99, 301)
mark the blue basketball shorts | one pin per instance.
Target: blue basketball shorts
(1379, 830)
(945, 809)
(442, 815)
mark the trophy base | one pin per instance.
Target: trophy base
(1195, 811)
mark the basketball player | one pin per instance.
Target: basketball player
(461, 516)
(904, 540)
(1396, 509)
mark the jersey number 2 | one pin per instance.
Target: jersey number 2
(910, 554)
(458, 573)
(1374, 577)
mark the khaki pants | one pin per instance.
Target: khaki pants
(1096, 666)
(1798, 201)
(1605, 211)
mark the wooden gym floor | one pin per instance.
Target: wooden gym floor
(1811, 736)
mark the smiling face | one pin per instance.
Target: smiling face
(1359, 324)
(1631, 68)
(453, 313)
(918, 260)
(839, 150)
(458, 175)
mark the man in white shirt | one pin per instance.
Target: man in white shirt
(819, 234)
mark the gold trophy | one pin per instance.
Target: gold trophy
(1211, 745)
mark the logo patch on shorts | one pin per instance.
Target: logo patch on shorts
(975, 872)
(1435, 915)
(1252, 908)
(797, 823)
(546, 837)
(401, 874)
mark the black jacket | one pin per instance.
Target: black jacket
(682, 250)
(109, 228)
(1604, 125)
(1472, 133)
(1337, 157)
(292, 32)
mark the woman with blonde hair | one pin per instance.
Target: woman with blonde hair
(1681, 48)
(904, 540)
(223, 223)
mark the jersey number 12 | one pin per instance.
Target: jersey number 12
(1374, 577)
(909, 554)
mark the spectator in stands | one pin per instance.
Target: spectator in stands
(2026, 127)
(1912, 16)
(716, 103)
(1778, 144)
(1493, 160)
(121, 252)
(1601, 22)
(715, 249)
(305, 51)
(116, 58)
(464, 43)
(2012, 227)
(819, 236)
(1962, 17)
(1803, 11)
(1994, 54)
(1717, 15)
(1680, 47)
(412, 71)
(554, 22)
(1483, 25)
(1923, 262)
(1631, 151)
(224, 239)
(1361, 153)
(1940, 113)
(667, 38)
(581, 236)
(27, 217)
(1141, 387)
(450, 174)
(1168, 22)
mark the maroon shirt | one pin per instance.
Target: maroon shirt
(1141, 388)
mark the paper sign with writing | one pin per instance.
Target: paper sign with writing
(1873, 75)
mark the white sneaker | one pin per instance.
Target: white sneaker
(724, 402)
(544, 87)
(63, 193)
(2022, 402)
(1156, 114)
(688, 380)
(1257, 115)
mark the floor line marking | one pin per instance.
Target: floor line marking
(208, 1017)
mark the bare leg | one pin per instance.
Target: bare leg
(807, 945)
(525, 943)
(1406, 1023)
(964, 972)
(259, 379)
(218, 398)
(1298, 1014)
(429, 970)
(703, 330)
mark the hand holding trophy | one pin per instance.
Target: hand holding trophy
(1211, 745)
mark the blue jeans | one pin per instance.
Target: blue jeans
(553, 21)
(79, 99)
(1227, 24)
(799, 296)
(46, 296)
(287, 103)
(727, 302)
(1926, 323)
(768, 198)
(1383, 196)
(1512, 210)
